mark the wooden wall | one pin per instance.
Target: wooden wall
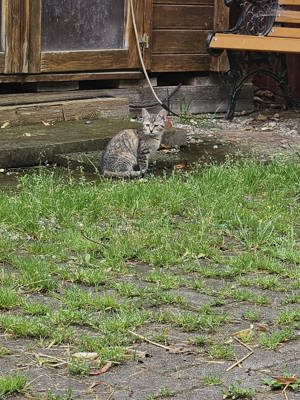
(179, 32)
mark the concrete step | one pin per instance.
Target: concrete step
(24, 146)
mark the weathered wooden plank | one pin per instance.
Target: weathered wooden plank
(288, 16)
(12, 13)
(24, 24)
(255, 43)
(285, 32)
(34, 40)
(221, 22)
(182, 2)
(33, 114)
(180, 62)
(147, 22)
(95, 108)
(289, 2)
(2, 62)
(63, 61)
(183, 17)
(174, 42)
(133, 59)
(81, 76)
(63, 111)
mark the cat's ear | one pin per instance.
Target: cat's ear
(145, 113)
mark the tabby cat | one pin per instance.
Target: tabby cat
(127, 154)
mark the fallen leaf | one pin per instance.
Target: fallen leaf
(168, 122)
(262, 327)
(46, 123)
(285, 380)
(27, 134)
(165, 146)
(180, 166)
(102, 370)
(245, 332)
(5, 125)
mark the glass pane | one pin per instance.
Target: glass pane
(83, 24)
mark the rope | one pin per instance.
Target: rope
(162, 103)
(141, 55)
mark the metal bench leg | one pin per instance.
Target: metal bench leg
(283, 81)
(236, 79)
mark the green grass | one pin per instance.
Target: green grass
(109, 257)
(11, 384)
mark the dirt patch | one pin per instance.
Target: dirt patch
(265, 134)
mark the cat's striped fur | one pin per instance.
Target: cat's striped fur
(127, 154)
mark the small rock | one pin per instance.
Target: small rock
(293, 132)
(85, 356)
(272, 124)
(261, 117)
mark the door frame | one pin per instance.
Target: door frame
(10, 56)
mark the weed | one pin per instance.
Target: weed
(253, 316)
(219, 351)
(272, 340)
(12, 384)
(35, 309)
(9, 298)
(289, 317)
(54, 396)
(212, 380)
(235, 391)
(165, 392)
(4, 351)
(293, 298)
(78, 367)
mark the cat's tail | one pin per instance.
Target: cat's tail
(121, 174)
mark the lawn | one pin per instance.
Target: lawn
(84, 264)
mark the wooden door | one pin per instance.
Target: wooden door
(80, 35)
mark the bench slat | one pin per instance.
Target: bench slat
(255, 43)
(287, 16)
(289, 2)
(285, 32)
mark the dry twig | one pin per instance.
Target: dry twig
(251, 351)
(150, 341)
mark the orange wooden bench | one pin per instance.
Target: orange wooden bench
(265, 32)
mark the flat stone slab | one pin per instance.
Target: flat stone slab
(24, 146)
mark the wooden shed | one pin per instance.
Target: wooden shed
(63, 40)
